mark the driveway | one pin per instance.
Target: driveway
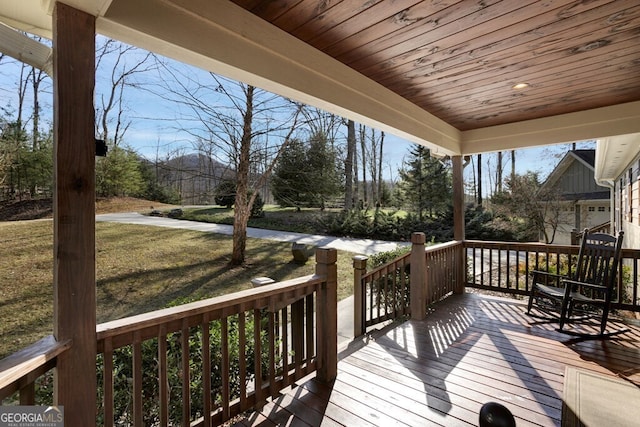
(358, 246)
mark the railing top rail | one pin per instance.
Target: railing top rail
(626, 252)
(384, 266)
(445, 245)
(236, 299)
(30, 359)
(524, 245)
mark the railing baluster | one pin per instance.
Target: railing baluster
(108, 382)
(186, 375)
(371, 282)
(137, 380)
(285, 347)
(242, 355)
(224, 347)
(163, 386)
(206, 370)
(272, 353)
(311, 339)
(394, 284)
(257, 349)
(28, 394)
(297, 335)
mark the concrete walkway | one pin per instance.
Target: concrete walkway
(358, 246)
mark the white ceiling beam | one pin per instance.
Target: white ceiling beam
(602, 122)
(25, 49)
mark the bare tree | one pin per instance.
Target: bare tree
(363, 154)
(123, 63)
(240, 124)
(349, 164)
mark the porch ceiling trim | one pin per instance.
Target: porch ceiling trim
(590, 124)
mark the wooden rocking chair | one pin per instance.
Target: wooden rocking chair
(584, 295)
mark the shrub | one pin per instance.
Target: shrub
(225, 194)
(257, 209)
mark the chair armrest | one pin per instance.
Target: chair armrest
(546, 273)
(550, 279)
(584, 284)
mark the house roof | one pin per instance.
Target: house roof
(586, 158)
(436, 73)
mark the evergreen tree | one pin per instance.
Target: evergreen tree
(324, 178)
(425, 183)
(289, 184)
(307, 174)
(118, 174)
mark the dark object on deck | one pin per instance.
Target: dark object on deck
(585, 293)
(300, 253)
(493, 414)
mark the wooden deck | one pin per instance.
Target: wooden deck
(472, 349)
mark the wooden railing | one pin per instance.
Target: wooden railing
(19, 372)
(385, 292)
(200, 364)
(506, 267)
(380, 294)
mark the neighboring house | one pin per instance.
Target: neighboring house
(617, 165)
(585, 204)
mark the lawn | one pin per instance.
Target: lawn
(139, 269)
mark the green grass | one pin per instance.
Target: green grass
(139, 269)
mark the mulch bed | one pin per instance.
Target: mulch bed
(26, 209)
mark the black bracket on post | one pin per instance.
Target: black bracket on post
(101, 148)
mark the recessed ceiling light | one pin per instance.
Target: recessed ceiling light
(520, 85)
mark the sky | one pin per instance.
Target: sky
(153, 124)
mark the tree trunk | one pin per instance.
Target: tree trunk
(380, 170)
(513, 165)
(480, 179)
(348, 165)
(363, 145)
(373, 171)
(242, 209)
(499, 173)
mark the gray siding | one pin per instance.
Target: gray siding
(578, 179)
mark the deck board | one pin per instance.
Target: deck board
(470, 350)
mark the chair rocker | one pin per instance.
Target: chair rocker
(583, 298)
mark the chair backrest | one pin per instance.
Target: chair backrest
(598, 259)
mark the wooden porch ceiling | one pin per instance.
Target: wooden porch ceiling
(460, 60)
(440, 73)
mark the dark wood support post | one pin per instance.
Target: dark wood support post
(359, 269)
(74, 213)
(327, 315)
(458, 222)
(458, 199)
(418, 278)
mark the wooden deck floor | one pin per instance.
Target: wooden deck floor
(471, 350)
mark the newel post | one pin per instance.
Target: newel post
(359, 269)
(418, 278)
(327, 315)
(74, 271)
